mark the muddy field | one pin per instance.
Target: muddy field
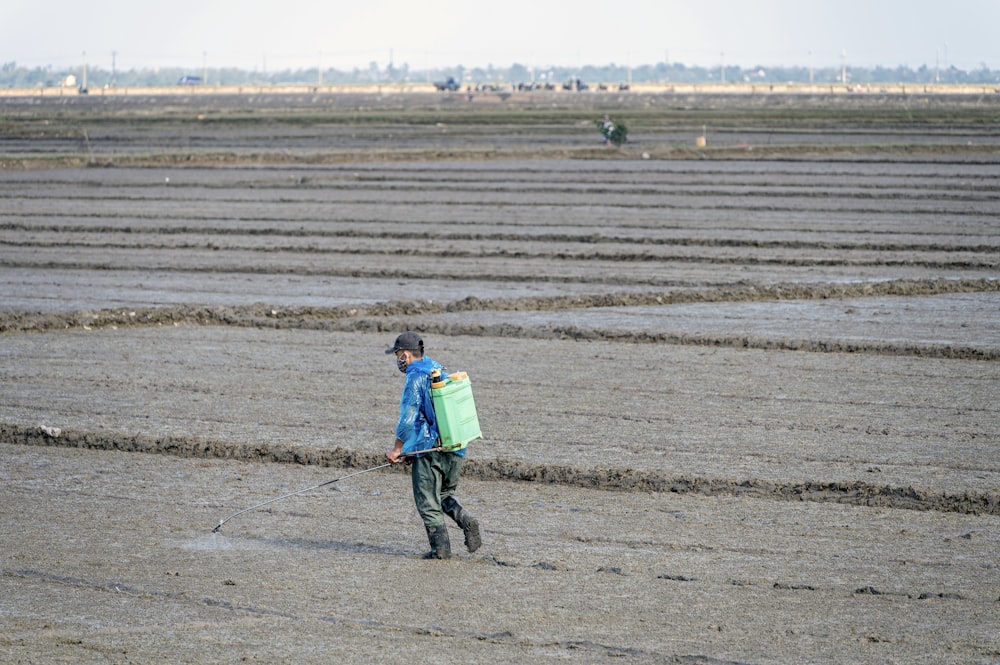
(739, 403)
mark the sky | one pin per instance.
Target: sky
(266, 35)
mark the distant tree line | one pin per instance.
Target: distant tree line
(13, 75)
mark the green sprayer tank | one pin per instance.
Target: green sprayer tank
(455, 410)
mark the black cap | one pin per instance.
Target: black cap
(408, 341)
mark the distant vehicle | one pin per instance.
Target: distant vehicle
(189, 80)
(451, 85)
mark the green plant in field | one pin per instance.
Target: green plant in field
(614, 133)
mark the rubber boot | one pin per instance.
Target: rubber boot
(440, 545)
(470, 525)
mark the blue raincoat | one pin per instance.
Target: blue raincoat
(417, 427)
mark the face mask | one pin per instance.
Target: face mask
(401, 364)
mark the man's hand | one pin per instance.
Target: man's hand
(395, 456)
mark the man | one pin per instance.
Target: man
(607, 128)
(434, 474)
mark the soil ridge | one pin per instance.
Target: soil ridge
(391, 315)
(500, 469)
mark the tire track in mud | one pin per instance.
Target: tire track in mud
(385, 317)
(610, 479)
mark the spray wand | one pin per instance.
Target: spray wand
(314, 487)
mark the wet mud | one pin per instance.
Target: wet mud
(738, 403)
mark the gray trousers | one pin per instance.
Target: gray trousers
(435, 478)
